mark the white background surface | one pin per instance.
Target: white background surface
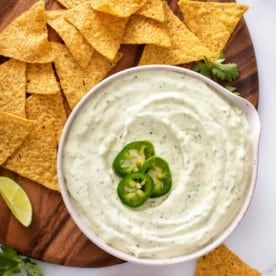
(255, 239)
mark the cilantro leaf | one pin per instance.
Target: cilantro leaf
(225, 72)
(218, 71)
(11, 262)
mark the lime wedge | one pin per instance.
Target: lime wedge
(17, 200)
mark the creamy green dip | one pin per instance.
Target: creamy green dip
(205, 140)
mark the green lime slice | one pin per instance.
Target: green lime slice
(17, 200)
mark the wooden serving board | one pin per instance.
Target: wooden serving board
(53, 236)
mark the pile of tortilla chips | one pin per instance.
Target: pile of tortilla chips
(43, 80)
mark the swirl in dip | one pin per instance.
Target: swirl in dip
(205, 140)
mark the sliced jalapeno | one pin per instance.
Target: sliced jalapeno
(160, 173)
(135, 188)
(132, 157)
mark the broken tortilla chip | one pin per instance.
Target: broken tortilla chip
(212, 22)
(80, 49)
(13, 131)
(143, 30)
(223, 261)
(12, 87)
(185, 46)
(26, 38)
(45, 107)
(120, 8)
(35, 159)
(103, 31)
(153, 9)
(41, 79)
(76, 81)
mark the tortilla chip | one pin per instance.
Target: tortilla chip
(26, 38)
(143, 30)
(45, 107)
(153, 9)
(13, 131)
(76, 81)
(12, 87)
(71, 3)
(103, 31)
(35, 159)
(41, 79)
(212, 22)
(120, 8)
(223, 261)
(185, 46)
(73, 39)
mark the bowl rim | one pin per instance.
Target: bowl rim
(255, 126)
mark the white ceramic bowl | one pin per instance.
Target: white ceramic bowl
(253, 120)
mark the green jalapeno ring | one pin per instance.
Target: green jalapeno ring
(160, 173)
(135, 188)
(132, 157)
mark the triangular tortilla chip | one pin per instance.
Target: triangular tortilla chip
(185, 46)
(35, 159)
(13, 131)
(143, 30)
(26, 38)
(45, 107)
(103, 31)
(41, 79)
(76, 81)
(212, 22)
(120, 8)
(223, 261)
(13, 87)
(80, 49)
(153, 9)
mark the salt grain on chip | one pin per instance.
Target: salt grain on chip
(185, 46)
(41, 79)
(12, 87)
(26, 38)
(212, 22)
(13, 132)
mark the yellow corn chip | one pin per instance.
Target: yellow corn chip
(12, 87)
(45, 107)
(185, 46)
(103, 31)
(71, 3)
(73, 39)
(35, 159)
(143, 30)
(120, 8)
(26, 38)
(76, 81)
(13, 131)
(212, 22)
(41, 79)
(153, 9)
(223, 261)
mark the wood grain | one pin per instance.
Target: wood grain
(53, 236)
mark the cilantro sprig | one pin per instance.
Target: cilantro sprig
(11, 263)
(219, 71)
